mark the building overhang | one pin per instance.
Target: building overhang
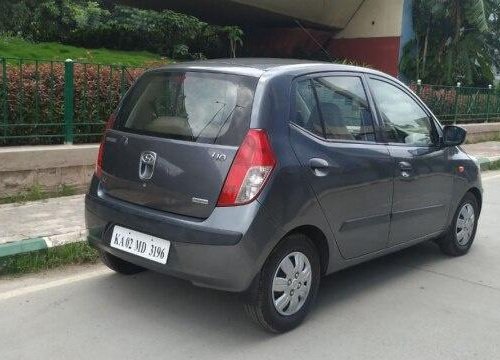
(321, 14)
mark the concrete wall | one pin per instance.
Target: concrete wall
(482, 132)
(283, 42)
(328, 13)
(48, 166)
(373, 35)
(374, 19)
(370, 30)
(380, 53)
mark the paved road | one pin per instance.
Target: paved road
(416, 304)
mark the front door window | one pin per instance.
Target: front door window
(403, 120)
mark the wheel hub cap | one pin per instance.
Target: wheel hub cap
(465, 224)
(291, 283)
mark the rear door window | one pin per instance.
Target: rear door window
(334, 107)
(344, 108)
(192, 106)
(306, 108)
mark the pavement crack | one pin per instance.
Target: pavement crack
(451, 277)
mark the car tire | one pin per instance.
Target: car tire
(119, 265)
(460, 236)
(299, 290)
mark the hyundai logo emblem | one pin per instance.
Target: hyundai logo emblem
(147, 165)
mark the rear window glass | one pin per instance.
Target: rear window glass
(192, 106)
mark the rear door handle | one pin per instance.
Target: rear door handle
(319, 166)
(405, 165)
(406, 169)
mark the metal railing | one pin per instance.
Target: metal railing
(55, 102)
(459, 104)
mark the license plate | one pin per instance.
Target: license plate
(140, 244)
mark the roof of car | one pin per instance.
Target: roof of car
(258, 66)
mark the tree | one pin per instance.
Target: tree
(453, 41)
(493, 41)
(235, 36)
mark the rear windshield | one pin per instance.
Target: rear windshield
(193, 106)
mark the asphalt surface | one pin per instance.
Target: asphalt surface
(415, 304)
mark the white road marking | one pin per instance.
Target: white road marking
(52, 284)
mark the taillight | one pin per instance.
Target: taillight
(100, 154)
(250, 170)
(98, 165)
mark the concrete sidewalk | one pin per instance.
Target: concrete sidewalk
(487, 153)
(42, 224)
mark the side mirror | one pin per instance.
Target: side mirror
(453, 135)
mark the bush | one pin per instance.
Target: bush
(163, 32)
(32, 101)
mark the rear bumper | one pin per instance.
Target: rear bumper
(224, 252)
(154, 222)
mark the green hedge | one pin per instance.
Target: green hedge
(32, 101)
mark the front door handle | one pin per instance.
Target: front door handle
(406, 169)
(319, 166)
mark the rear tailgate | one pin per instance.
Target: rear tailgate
(175, 138)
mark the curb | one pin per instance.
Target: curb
(40, 243)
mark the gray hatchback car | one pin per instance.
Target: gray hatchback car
(262, 175)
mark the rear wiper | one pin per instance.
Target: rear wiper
(212, 119)
(225, 121)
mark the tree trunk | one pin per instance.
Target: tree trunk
(417, 59)
(60, 9)
(232, 45)
(426, 45)
(458, 20)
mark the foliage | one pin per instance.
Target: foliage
(91, 24)
(454, 41)
(493, 36)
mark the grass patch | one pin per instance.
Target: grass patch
(66, 190)
(19, 48)
(75, 253)
(36, 192)
(495, 165)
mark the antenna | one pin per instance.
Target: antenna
(315, 41)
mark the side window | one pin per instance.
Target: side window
(344, 108)
(404, 121)
(306, 108)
